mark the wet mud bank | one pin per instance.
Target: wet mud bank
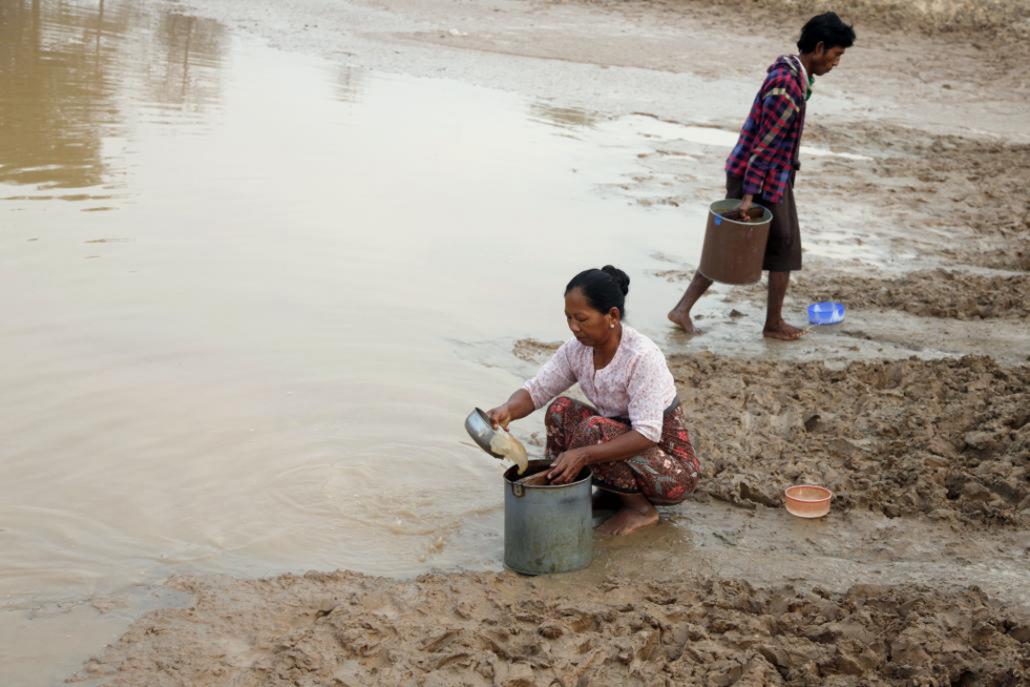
(945, 439)
(501, 629)
(886, 196)
(928, 458)
(955, 19)
(958, 199)
(929, 293)
(939, 293)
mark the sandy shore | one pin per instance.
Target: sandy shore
(938, 447)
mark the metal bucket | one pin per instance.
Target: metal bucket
(734, 250)
(547, 528)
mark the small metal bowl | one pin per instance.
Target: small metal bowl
(478, 425)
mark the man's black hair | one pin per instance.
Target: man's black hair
(827, 28)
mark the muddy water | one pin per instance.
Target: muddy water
(249, 297)
(239, 288)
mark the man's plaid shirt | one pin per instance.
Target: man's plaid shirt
(766, 153)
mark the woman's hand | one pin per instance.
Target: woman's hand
(568, 466)
(500, 416)
(515, 408)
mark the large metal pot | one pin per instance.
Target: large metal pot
(547, 528)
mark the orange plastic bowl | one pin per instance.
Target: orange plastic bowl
(807, 500)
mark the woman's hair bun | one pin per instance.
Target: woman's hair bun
(620, 277)
(604, 288)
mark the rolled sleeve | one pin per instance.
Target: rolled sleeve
(649, 394)
(553, 378)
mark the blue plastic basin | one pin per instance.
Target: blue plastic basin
(826, 313)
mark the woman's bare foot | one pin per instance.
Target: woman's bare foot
(681, 318)
(782, 331)
(636, 513)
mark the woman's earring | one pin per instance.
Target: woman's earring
(611, 326)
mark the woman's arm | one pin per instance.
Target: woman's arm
(553, 378)
(571, 462)
(650, 381)
(518, 406)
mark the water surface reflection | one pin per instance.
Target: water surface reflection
(71, 74)
(255, 365)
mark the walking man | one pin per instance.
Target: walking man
(762, 166)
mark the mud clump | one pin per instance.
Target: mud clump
(532, 350)
(957, 168)
(1016, 260)
(937, 293)
(491, 629)
(935, 186)
(933, 293)
(945, 439)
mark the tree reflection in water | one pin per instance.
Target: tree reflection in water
(69, 70)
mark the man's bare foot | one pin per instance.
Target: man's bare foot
(782, 331)
(681, 318)
(636, 512)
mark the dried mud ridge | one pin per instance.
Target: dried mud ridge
(966, 17)
(934, 293)
(960, 198)
(946, 439)
(927, 293)
(347, 629)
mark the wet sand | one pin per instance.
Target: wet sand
(947, 439)
(937, 293)
(944, 439)
(913, 411)
(917, 576)
(932, 293)
(501, 629)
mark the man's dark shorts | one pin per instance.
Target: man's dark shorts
(783, 249)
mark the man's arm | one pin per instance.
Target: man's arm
(778, 111)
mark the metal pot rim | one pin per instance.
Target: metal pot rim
(511, 475)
